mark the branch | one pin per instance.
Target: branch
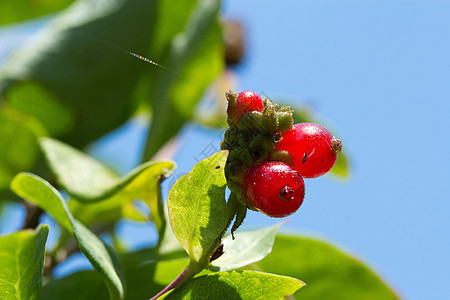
(34, 212)
(190, 271)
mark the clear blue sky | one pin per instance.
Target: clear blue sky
(378, 72)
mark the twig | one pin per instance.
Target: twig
(34, 212)
(187, 274)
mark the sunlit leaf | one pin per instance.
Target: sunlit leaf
(341, 166)
(197, 207)
(21, 10)
(41, 193)
(237, 285)
(109, 196)
(75, 60)
(19, 149)
(246, 248)
(325, 269)
(56, 116)
(196, 54)
(147, 273)
(82, 176)
(22, 263)
(144, 278)
(89, 180)
(167, 242)
(68, 288)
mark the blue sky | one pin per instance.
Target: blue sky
(378, 72)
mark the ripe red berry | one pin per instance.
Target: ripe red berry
(274, 188)
(312, 147)
(246, 101)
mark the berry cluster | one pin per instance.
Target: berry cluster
(270, 156)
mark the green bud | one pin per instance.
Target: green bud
(269, 118)
(251, 121)
(282, 156)
(242, 138)
(262, 141)
(235, 171)
(231, 97)
(267, 102)
(260, 154)
(286, 109)
(236, 190)
(284, 121)
(241, 212)
(241, 154)
(230, 136)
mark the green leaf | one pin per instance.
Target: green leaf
(167, 242)
(37, 191)
(41, 193)
(197, 207)
(247, 247)
(22, 263)
(237, 285)
(56, 116)
(105, 214)
(196, 54)
(146, 273)
(89, 181)
(69, 61)
(202, 68)
(20, 10)
(147, 187)
(325, 269)
(302, 115)
(82, 176)
(83, 285)
(144, 279)
(171, 19)
(341, 167)
(83, 43)
(19, 149)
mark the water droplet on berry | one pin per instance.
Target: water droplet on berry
(286, 193)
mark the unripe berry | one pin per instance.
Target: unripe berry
(250, 121)
(241, 104)
(313, 148)
(274, 188)
(284, 121)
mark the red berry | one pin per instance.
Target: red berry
(313, 148)
(274, 188)
(246, 101)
